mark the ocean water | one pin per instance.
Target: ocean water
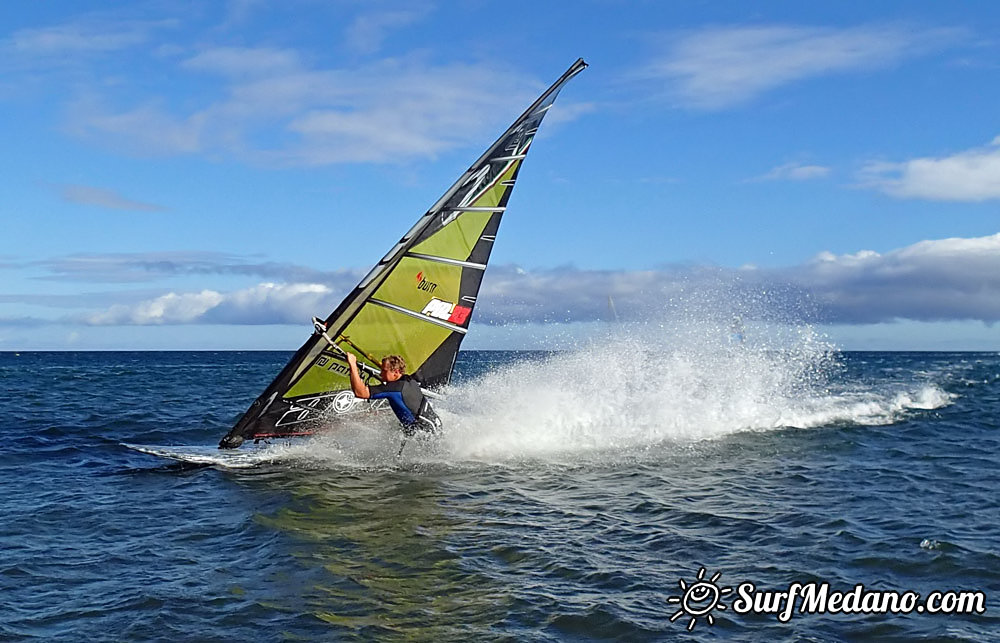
(571, 495)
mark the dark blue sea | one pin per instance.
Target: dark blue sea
(572, 497)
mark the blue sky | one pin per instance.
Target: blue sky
(210, 175)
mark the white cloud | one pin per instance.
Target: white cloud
(971, 175)
(566, 111)
(266, 303)
(385, 111)
(271, 104)
(244, 61)
(100, 197)
(276, 303)
(171, 308)
(70, 39)
(91, 36)
(720, 67)
(795, 172)
(147, 129)
(366, 34)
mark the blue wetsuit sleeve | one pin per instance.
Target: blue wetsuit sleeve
(395, 399)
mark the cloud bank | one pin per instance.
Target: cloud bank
(938, 280)
(948, 279)
(153, 266)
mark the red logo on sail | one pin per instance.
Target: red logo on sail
(440, 309)
(423, 284)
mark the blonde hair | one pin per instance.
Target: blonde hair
(394, 363)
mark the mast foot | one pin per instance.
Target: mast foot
(231, 442)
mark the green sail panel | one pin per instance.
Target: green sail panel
(417, 282)
(417, 301)
(392, 332)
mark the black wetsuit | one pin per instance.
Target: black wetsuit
(408, 403)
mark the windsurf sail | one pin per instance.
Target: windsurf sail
(416, 302)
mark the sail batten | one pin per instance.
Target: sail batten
(454, 262)
(420, 316)
(416, 302)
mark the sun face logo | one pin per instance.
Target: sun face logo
(699, 599)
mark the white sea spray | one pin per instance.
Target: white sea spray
(712, 364)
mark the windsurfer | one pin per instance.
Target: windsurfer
(443, 255)
(402, 391)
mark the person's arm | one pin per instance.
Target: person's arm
(358, 386)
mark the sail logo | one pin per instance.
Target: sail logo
(449, 312)
(477, 181)
(333, 365)
(424, 284)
